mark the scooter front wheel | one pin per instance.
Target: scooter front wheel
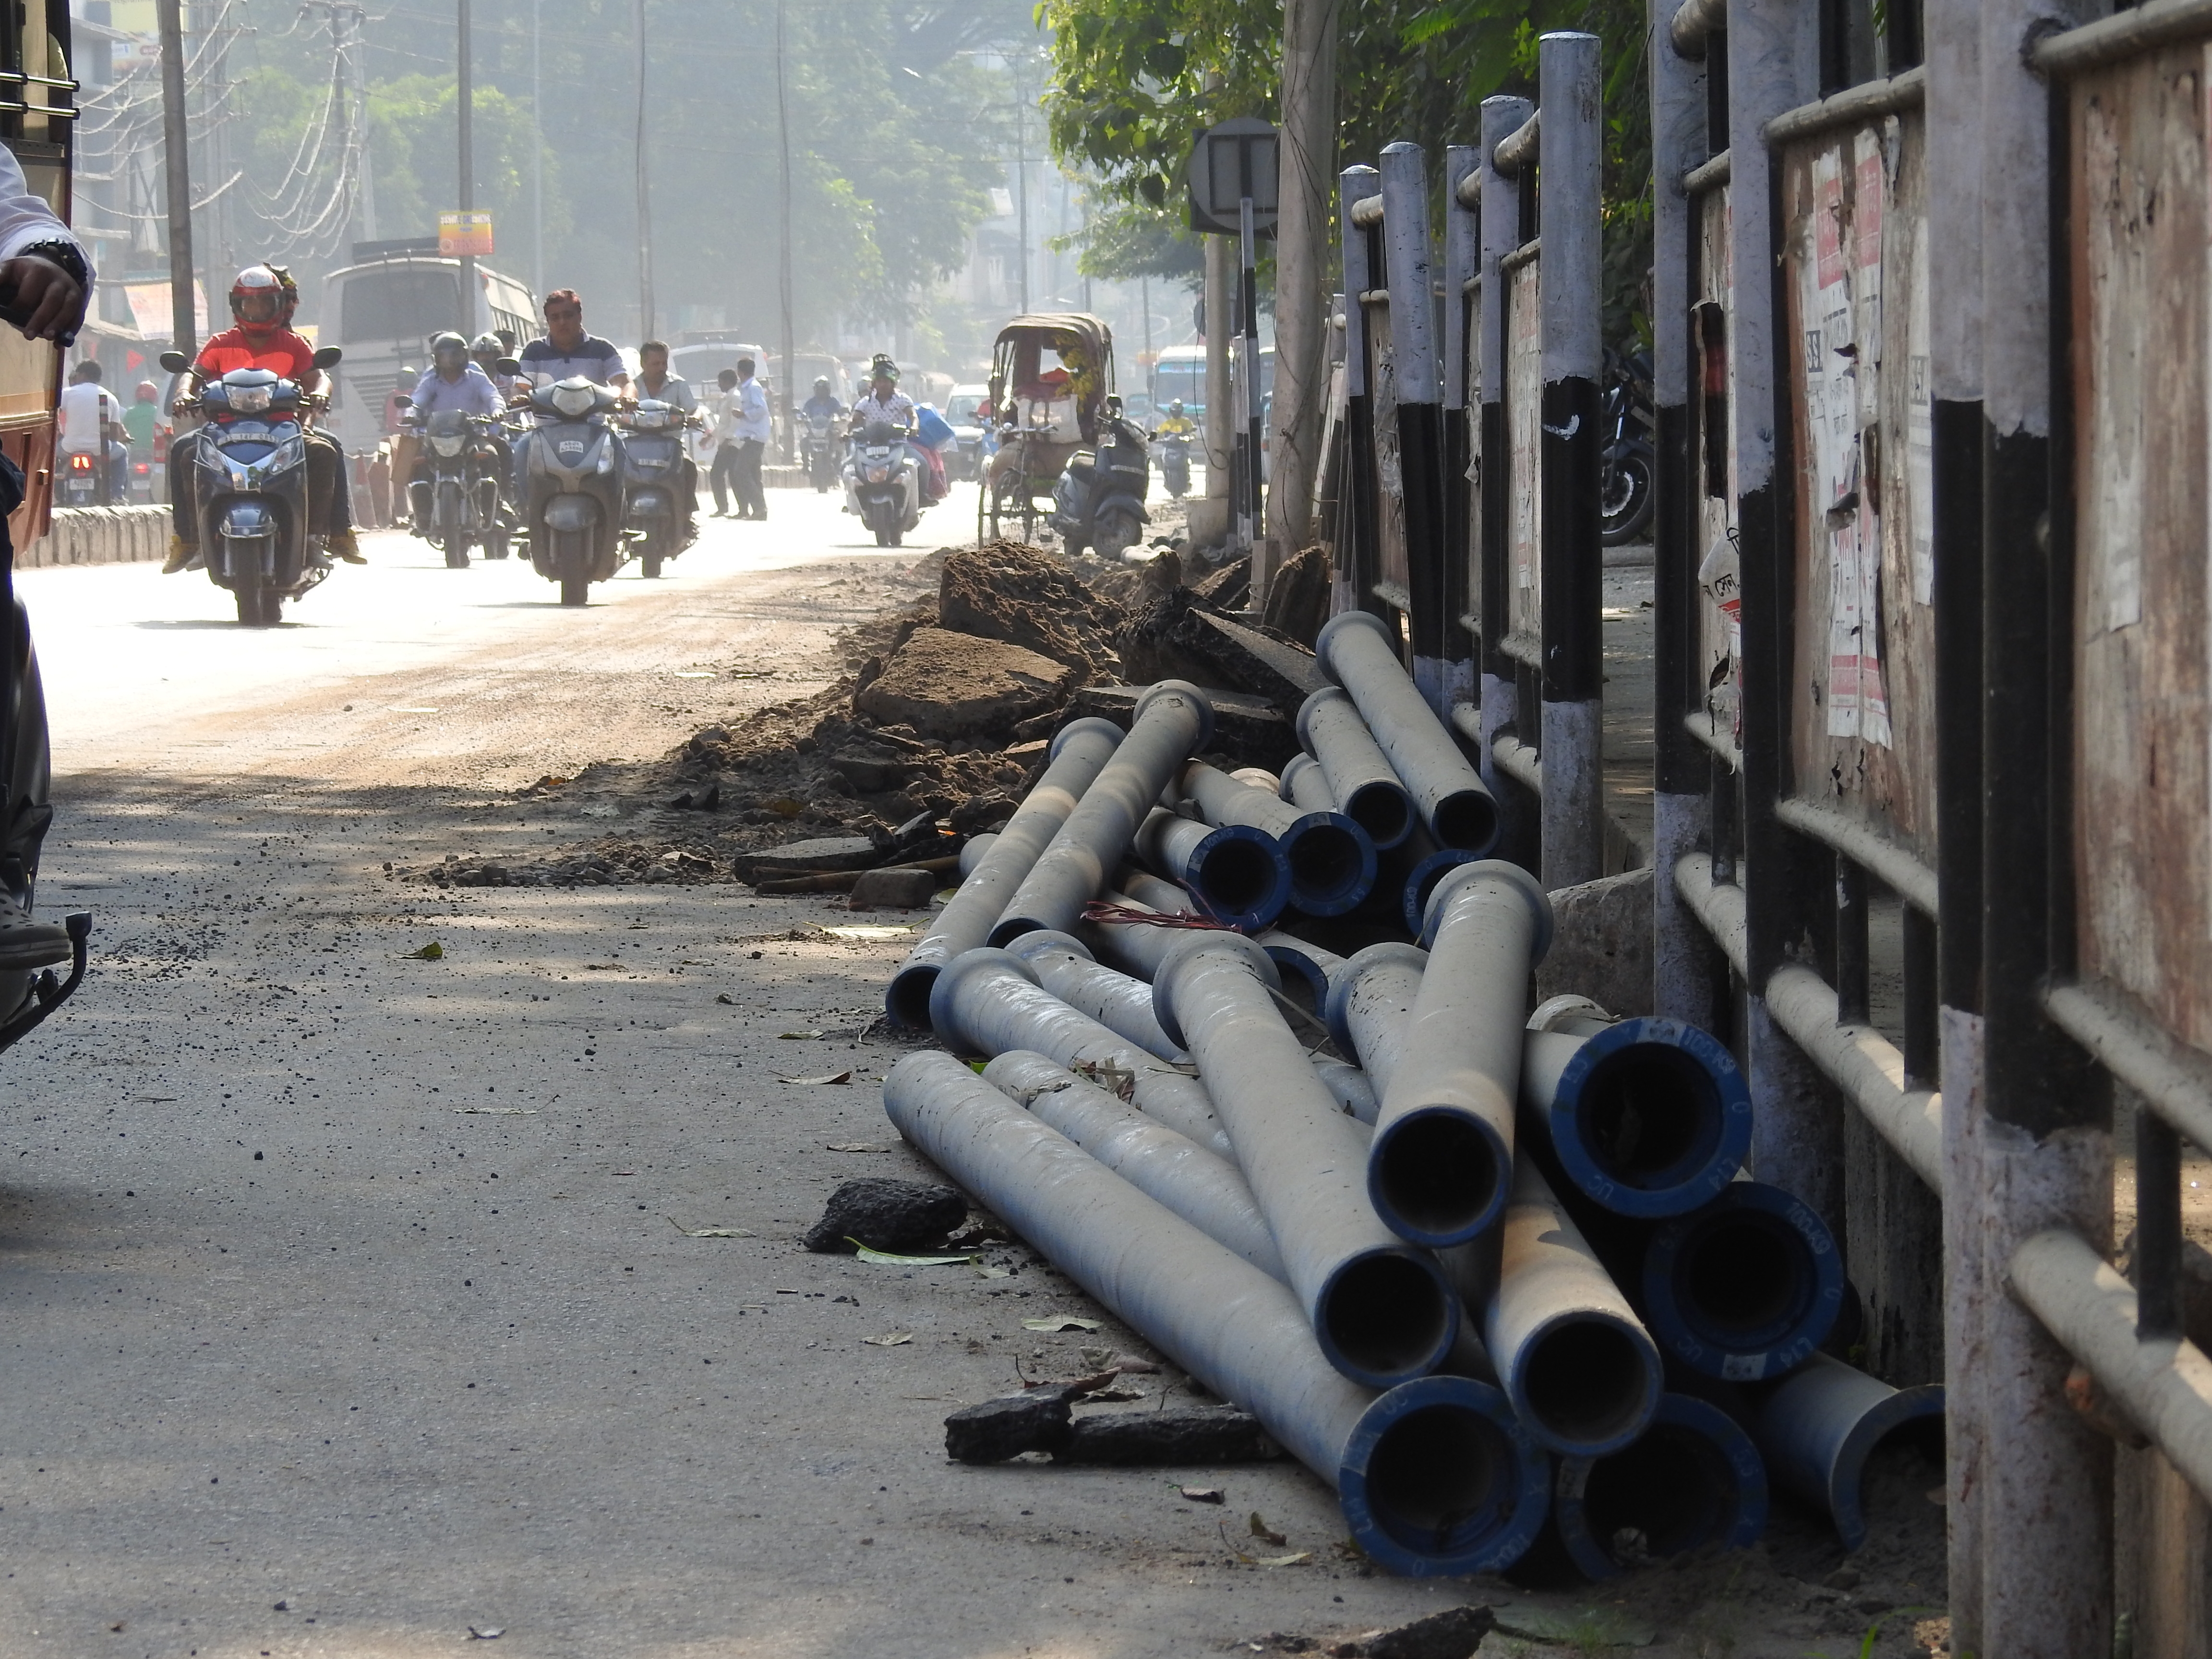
(457, 552)
(648, 565)
(575, 590)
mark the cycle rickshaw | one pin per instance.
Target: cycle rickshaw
(1050, 376)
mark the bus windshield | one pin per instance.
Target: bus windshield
(404, 303)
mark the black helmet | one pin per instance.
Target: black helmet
(448, 348)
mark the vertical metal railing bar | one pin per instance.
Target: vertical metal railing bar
(1359, 562)
(1462, 289)
(1922, 1028)
(1853, 975)
(2157, 1263)
(1408, 263)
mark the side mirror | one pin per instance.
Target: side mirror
(175, 361)
(400, 399)
(329, 357)
(509, 366)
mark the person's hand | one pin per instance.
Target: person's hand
(51, 299)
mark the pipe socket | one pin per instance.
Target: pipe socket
(1357, 651)
(1172, 719)
(1332, 860)
(1305, 967)
(1079, 753)
(1238, 872)
(1441, 1163)
(1382, 1313)
(1435, 1477)
(1823, 1425)
(1694, 1482)
(1353, 765)
(1746, 1287)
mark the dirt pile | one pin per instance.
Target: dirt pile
(1023, 596)
(947, 684)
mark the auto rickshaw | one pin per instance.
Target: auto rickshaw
(1050, 376)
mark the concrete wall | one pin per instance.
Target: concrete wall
(100, 535)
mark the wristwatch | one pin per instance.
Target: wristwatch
(67, 255)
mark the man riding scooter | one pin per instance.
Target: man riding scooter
(452, 382)
(654, 381)
(886, 402)
(262, 301)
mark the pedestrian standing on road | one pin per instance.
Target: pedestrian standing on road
(723, 438)
(754, 429)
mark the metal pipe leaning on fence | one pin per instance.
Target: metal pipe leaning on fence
(1409, 263)
(1239, 870)
(990, 1001)
(1357, 652)
(1381, 1311)
(1332, 860)
(1172, 721)
(1434, 1476)
(1078, 752)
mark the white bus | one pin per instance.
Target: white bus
(1180, 373)
(382, 312)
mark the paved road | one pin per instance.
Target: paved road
(344, 1303)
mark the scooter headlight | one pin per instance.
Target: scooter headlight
(574, 401)
(606, 463)
(249, 399)
(878, 474)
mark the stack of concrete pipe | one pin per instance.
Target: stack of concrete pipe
(1491, 1278)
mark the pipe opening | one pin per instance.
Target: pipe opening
(1237, 876)
(1383, 811)
(1649, 1116)
(907, 1001)
(1443, 1479)
(1671, 1492)
(1893, 1482)
(1386, 1314)
(1743, 1279)
(1305, 986)
(1325, 861)
(1013, 928)
(1438, 1173)
(1587, 1382)
(1467, 820)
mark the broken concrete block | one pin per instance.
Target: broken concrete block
(803, 857)
(1602, 943)
(892, 889)
(1454, 1633)
(899, 1216)
(1036, 1419)
(1194, 1436)
(955, 685)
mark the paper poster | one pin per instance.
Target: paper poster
(1869, 181)
(1524, 386)
(1920, 434)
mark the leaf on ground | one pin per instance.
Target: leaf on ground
(1266, 1534)
(431, 952)
(886, 1259)
(855, 1146)
(1118, 1393)
(495, 1111)
(1282, 1561)
(1061, 1322)
(984, 1270)
(888, 1339)
(784, 807)
(796, 1036)
(1200, 1494)
(486, 1632)
(709, 1232)
(826, 1077)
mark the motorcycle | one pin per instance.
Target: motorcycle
(81, 484)
(653, 518)
(251, 462)
(883, 482)
(1629, 458)
(30, 951)
(457, 502)
(572, 505)
(1099, 500)
(818, 448)
(1175, 462)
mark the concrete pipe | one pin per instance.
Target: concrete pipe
(1259, 777)
(1172, 719)
(1238, 872)
(1353, 765)
(1371, 1006)
(1442, 1159)
(1078, 754)
(1693, 1482)
(1205, 1189)
(1356, 651)
(1331, 858)
(1352, 1088)
(1382, 1313)
(1154, 893)
(1577, 1364)
(1744, 1288)
(973, 849)
(1415, 868)
(1305, 967)
(1820, 1427)
(1119, 1002)
(1435, 1477)
(1650, 1117)
(990, 1001)
(1133, 947)
(1305, 786)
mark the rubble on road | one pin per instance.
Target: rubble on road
(885, 1215)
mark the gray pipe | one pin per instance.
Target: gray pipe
(1239, 872)
(1079, 753)
(1135, 948)
(1358, 773)
(1172, 719)
(1442, 1159)
(990, 1001)
(1382, 1312)
(1694, 1482)
(1154, 893)
(1122, 1004)
(1435, 1477)
(1259, 777)
(1204, 1188)
(1352, 1089)
(1332, 860)
(1371, 1006)
(1305, 786)
(972, 850)
(1357, 652)
(1415, 868)
(1818, 1426)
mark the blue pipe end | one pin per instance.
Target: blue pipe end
(1651, 1118)
(1332, 861)
(1693, 1482)
(1438, 1175)
(1243, 875)
(1421, 882)
(1439, 1479)
(1746, 1287)
(1303, 983)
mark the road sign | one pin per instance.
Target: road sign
(1232, 160)
(465, 233)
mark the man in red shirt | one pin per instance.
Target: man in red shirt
(262, 301)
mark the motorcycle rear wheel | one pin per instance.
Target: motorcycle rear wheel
(575, 590)
(1117, 534)
(649, 564)
(1626, 500)
(457, 552)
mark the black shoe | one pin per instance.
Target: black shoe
(26, 946)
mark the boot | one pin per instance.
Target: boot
(181, 555)
(343, 545)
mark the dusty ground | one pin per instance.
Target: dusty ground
(352, 1300)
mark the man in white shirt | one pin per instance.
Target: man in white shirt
(750, 432)
(89, 421)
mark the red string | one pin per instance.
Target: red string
(1125, 915)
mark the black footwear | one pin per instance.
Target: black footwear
(26, 946)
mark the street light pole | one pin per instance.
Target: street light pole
(537, 152)
(788, 388)
(644, 187)
(183, 326)
(468, 170)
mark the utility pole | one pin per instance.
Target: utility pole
(468, 170)
(537, 152)
(360, 94)
(789, 388)
(1021, 185)
(1302, 288)
(183, 328)
(644, 186)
